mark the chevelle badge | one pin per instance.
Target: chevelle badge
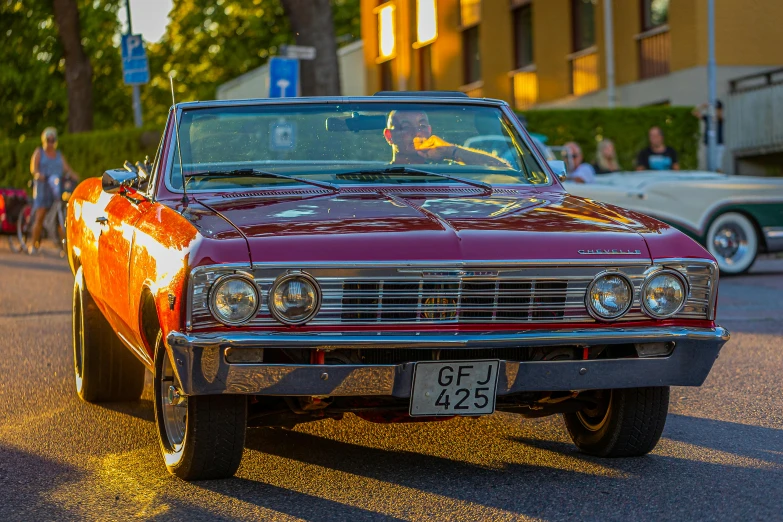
(613, 252)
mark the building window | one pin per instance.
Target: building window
(584, 73)
(387, 27)
(385, 73)
(425, 68)
(582, 24)
(523, 36)
(471, 55)
(655, 13)
(426, 22)
(469, 19)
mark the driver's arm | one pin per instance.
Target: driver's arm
(468, 156)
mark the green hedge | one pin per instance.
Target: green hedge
(626, 127)
(89, 153)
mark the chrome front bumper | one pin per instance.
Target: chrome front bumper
(202, 368)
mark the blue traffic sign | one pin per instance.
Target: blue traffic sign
(135, 68)
(283, 77)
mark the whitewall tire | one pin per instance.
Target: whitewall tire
(733, 241)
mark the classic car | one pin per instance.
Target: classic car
(734, 217)
(283, 261)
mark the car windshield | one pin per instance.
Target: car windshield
(235, 147)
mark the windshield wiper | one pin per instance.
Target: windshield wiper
(407, 171)
(263, 174)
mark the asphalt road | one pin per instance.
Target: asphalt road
(720, 458)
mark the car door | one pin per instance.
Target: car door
(114, 248)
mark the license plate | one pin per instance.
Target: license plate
(454, 388)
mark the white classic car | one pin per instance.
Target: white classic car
(734, 217)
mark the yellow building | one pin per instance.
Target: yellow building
(552, 53)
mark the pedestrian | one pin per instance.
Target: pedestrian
(581, 172)
(703, 114)
(47, 167)
(606, 158)
(658, 155)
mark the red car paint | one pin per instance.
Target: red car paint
(149, 247)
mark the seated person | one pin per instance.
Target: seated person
(581, 172)
(410, 135)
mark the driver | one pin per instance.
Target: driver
(410, 135)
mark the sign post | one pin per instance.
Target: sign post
(283, 77)
(135, 68)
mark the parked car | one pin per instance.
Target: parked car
(272, 267)
(734, 217)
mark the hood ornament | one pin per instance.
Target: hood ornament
(612, 252)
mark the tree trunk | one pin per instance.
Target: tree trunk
(311, 22)
(78, 71)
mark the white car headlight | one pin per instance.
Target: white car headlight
(234, 299)
(609, 296)
(664, 293)
(294, 298)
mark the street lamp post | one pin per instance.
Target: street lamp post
(136, 95)
(711, 127)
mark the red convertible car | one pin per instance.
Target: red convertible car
(282, 261)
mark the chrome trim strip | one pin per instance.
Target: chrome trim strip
(773, 232)
(702, 279)
(202, 368)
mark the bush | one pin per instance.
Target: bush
(626, 127)
(88, 153)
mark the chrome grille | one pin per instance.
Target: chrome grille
(384, 294)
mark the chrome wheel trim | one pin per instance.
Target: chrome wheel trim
(733, 241)
(593, 419)
(78, 346)
(174, 407)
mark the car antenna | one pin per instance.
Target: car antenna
(179, 149)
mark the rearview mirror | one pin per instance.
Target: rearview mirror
(116, 179)
(559, 168)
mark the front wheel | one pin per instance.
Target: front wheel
(620, 423)
(201, 437)
(733, 241)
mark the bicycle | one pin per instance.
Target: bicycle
(53, 224)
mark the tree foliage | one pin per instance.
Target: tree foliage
(207, 42)
(32, 69)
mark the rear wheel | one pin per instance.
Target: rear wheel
(201, 437)
(733, 241)
(105, 370)
(621, 423)
(24, 228)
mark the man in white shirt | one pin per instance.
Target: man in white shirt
(581, 172)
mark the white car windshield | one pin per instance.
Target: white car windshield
(235, 147)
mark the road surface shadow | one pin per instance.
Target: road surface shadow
(141, 409)
(21, 477)
(653, 487)
(30, 263)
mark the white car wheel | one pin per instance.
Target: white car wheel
(733, 240)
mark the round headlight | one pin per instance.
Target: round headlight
(294, 298)
(609, 296)
(664, 294)
(234, 299)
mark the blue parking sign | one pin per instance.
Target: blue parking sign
(283, 77)
(135, 68)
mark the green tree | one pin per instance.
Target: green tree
(209, 42)
(33, 92)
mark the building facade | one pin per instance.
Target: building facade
(552, 53)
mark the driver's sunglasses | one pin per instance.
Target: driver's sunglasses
(412, 128)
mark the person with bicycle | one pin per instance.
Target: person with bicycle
(48, 168)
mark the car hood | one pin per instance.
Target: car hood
(379, 226)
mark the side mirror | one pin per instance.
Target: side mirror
(115, 180)
(559, 168)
